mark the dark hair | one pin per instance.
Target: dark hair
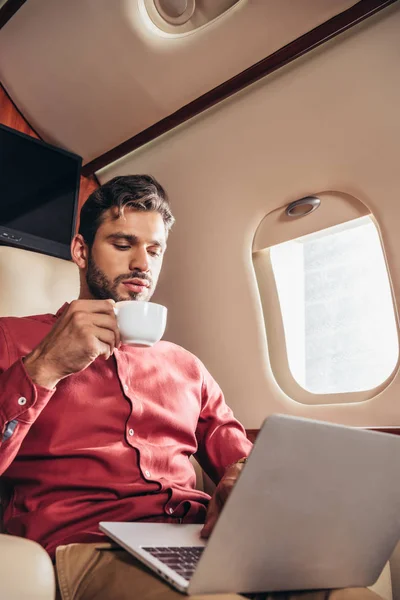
(139, 192)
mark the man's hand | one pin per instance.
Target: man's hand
(86, 330)
(220, 496)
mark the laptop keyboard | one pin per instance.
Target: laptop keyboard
(182, 559)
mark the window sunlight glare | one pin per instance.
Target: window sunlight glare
(337, 309)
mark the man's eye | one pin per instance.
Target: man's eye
(155, 252)
(121, 247)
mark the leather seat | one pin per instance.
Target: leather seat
(30, 283)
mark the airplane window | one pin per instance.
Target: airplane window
(337, 308)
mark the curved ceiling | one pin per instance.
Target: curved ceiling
(89, 74)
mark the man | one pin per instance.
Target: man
(94, 430)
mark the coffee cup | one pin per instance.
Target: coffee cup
(140, 323)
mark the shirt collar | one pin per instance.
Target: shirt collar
(62, 310)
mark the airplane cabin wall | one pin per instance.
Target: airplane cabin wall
(328, 121)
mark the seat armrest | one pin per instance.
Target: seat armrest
(26, 571)
(395, 570)
(383, 585)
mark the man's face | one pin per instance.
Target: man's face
(126, 257)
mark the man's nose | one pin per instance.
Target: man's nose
(140, 260)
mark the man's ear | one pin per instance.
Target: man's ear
(79, 251)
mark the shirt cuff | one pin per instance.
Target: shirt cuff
(20, 397)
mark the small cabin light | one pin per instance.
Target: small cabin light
(302, 207)
(175, 12)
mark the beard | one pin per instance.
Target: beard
(102, 288)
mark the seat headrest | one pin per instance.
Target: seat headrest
(33, 283)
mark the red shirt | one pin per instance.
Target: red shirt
(110, 443)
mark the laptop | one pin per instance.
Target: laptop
(317, 506)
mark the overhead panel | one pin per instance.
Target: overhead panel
(89, 74)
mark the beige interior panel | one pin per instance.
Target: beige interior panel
(90, 74)
(335, 208)
(327, 122)
(35, 283)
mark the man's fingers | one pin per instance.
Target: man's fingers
(92, 306)
(105, 350)
(107, 322)
(218, 500)
(225, 488)
(208, 527)
(107, 337)
(212, 516)
(84, 319)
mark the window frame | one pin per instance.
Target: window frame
(273, 318)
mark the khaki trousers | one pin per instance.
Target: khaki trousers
(105, 572)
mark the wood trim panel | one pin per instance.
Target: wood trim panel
(392, 430)
(11, 116)
(252, 433)
(300, 46)
(8, 10)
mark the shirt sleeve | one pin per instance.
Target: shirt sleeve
(21, 402)
(221, 438)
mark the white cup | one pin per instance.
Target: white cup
(140, 323)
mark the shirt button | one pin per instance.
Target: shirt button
(170, 510)
(22, 401)
(147, 473)
(126, 387)
(131, 432)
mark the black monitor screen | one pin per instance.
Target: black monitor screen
(39, 187)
